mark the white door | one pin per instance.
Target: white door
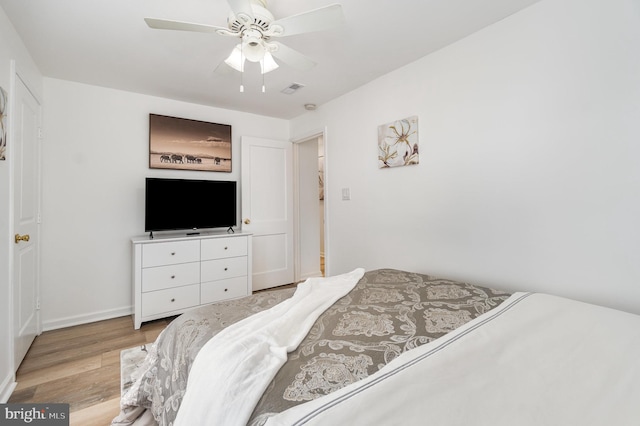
(267, 208)
(25, 155)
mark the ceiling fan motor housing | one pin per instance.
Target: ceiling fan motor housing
(261, 19)
(253, 45)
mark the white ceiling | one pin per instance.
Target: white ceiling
(107, 43)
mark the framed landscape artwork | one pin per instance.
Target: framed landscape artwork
(184, 144)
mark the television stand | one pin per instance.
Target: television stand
(174, 273)
(230, 231)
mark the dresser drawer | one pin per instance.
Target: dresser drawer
(216, 291)
(173, 299)
(216, 248)
(170, 253)
(162, 277)
(219, 269)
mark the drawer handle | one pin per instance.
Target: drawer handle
(226, 269)
(173, 276)
(173, 300)
(225, 289)
(173, 253)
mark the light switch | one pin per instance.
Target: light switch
(346, 194)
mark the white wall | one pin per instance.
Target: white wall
(11, 49)
(95, 159)
(529, 174)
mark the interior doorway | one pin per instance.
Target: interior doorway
(321, 197)
(310, 207)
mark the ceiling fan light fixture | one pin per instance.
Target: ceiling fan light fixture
(268, 64)
(253, 46)
(236, 59)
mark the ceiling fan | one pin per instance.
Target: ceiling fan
(255, 26)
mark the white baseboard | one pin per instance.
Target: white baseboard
(87, 318)
(6, 388)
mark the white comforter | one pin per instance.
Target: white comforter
(534, 360)
(232, 370)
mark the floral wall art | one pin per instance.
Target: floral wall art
(398, 143)
(3, 132)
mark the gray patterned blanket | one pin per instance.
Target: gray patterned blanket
(387, 313)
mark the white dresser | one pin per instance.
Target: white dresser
(174, 273)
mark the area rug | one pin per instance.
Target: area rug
(130, 360)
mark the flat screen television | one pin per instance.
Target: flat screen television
(186, 204)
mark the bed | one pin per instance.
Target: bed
(391, 347)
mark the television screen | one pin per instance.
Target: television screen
(176, 204)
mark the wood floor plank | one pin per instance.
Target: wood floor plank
(23, 395)
(82, 390)
(78, 352)
(80, 366)
(96, 415)
(77, 343)
(111, 357)
(90, 329)
(71, 341)
(37, 377)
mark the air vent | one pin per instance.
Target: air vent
(292, 88)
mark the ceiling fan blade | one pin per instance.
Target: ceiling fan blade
(242, 9)
(320, 19)
(290, 57)
(166, 24)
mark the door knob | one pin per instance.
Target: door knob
(247, 221)
(22, 238)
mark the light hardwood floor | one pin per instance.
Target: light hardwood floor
(81, 366)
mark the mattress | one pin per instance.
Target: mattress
(521, 354)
